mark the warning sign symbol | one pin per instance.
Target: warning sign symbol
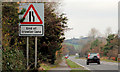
(31, 16)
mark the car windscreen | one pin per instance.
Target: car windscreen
(92, 55)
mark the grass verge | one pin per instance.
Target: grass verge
(108, 60)
(72, 64)
(72, 55)
(77, 58)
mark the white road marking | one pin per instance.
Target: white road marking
(82, 65)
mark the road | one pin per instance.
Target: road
(94, 66)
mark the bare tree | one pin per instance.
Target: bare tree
(108, 31)
(93, 33)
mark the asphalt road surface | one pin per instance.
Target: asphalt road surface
(104, 66)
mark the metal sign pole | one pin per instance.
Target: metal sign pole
(35, 52)
(27, 51)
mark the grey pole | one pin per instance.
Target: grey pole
(27, 50)
(35, 52)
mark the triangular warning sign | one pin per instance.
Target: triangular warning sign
(31, 7)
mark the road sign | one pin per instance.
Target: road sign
(30, 29)
(33, 24)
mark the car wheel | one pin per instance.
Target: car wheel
(98, 62)
(87, 63)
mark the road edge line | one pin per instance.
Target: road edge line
(81, 65)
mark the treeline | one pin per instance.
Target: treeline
(14, 46)
(106, 46)
(68, 49)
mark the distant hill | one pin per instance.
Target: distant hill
(73, 41)
(78, 43)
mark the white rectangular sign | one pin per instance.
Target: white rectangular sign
(31, 30)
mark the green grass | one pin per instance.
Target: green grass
(77, 58)
(72, 55)
(72, 64)
(108, 60)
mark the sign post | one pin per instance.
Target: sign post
(32, 25)
(27, 51)
(35, 52)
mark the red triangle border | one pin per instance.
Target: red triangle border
(31, 6)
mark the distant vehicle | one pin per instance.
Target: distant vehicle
(93, 58)
(76, 55)
(66, 56)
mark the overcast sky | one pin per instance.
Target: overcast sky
(86, 14)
